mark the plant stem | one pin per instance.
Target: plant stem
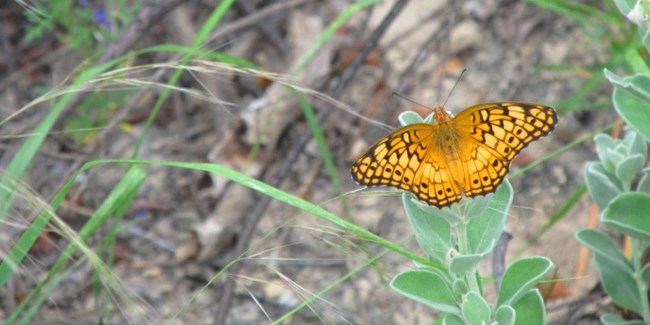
(641, 285)
(463, 249)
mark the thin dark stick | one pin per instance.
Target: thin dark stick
(255, 213)
(499, 258)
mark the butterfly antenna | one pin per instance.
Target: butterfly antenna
(454, 87)
(410, 100)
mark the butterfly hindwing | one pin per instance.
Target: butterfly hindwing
(404, 159)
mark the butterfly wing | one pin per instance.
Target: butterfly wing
(492, 134)
(407, 159)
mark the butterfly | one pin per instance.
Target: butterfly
(462, 156)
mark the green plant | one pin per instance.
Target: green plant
(625, 204)
(625, 209)
(82, 27)
(85, 29)
(457, 240)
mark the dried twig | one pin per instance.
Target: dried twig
(499, 258)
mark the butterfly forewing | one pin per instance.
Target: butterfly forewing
(405, 159)
(493, 134)
(469, 153)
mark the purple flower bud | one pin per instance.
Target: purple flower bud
(101, 18)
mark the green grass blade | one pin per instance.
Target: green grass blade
(586, 15)
(119, 197)
(33, 309)
(319, 137)
(28, 150)
(201, 37)
(212, 55)
(562, 212)
(281, 196)
(576, 100)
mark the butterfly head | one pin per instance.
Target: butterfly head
(441, 116)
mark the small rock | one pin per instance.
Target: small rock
(187, 250)
(277, 290)
(481, 9)
(464, 35)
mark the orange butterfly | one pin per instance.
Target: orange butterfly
(465, 155)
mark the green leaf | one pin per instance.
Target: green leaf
(426, 287)
(464, 263)
(530, 309)
(451, 319)
(452, 215)
(637, 83)
(459, 287)
(627, 169)
(520, 277)
(625, 6)
(631, 100)
(614, 157)
(636, 144)
(629, 213)
(613, 319)
(505, 315)
(484, 230)
(475, 309)
(604, 143)
(409, 117)
(432, 231)
(615, 270)
(477, 205)
(600, 185)
(600, 244)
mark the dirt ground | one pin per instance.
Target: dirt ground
(185, 225)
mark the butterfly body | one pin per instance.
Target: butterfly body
(465, 155)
